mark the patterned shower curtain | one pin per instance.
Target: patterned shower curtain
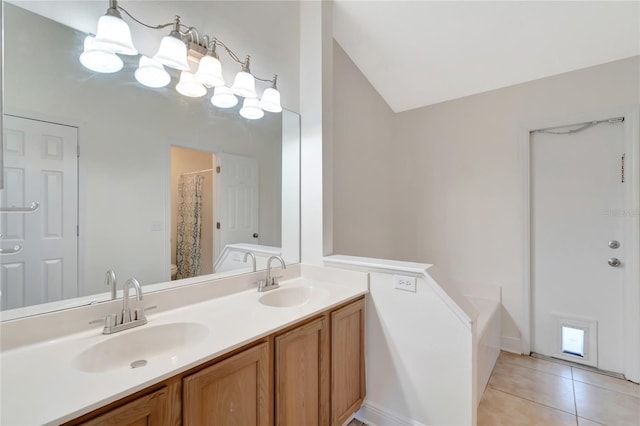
(189, 225)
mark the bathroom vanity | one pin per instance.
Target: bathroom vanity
(310, 372)
(294, 355)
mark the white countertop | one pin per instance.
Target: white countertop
(41, 384)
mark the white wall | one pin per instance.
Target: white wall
(124, 169)
(423, 355)
(456, 177)
(316, 56)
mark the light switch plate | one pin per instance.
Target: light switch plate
(405, 283)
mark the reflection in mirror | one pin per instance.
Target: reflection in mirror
(143, 182)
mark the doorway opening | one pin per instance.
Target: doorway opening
(192, 212)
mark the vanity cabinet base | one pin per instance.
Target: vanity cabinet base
(235, 391)
(302, 375)
(152, 409)
(311, 373)
(348, 386)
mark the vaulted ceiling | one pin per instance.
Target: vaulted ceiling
(417, 53)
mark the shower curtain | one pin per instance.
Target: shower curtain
(189, 224)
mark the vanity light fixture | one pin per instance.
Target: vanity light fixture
(223, 97)
(113, 34)
(99, 60)
(151, 73)
(244, 84)
(270, 100)
(210, 69)
(189, 86)
(251, 109)
(172, 51)
(184, 50)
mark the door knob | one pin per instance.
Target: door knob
(614, 262)
(614, 244)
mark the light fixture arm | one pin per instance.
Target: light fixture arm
(273, 81)
(153, 27)
(229, 51)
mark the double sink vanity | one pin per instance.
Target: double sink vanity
(219, 352)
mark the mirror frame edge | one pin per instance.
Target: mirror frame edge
(1, 95)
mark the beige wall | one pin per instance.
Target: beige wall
(363, 175)
(457, 176)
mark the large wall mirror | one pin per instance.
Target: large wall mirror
(112, 175)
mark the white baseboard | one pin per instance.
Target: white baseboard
(375, 415)
(511, 344)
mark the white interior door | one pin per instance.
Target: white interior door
(237, 205)
(578, 206)
(41, 165)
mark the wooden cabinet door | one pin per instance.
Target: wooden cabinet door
(302, 375)
(149, 410)
(233, 392)
(348, 387)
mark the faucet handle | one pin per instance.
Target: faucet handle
(138, 314)
(274, 280)
(111, 320)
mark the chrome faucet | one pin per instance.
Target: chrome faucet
(270, 283)
(253, 259)
(110, 280)
(126, 313)
(114, 323)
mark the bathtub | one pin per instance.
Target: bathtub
(486, 339)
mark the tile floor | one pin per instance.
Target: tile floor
(527, 391)
(531, 391)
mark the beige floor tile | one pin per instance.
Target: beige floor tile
(534, 385)
(587, 422)
(500, 409)
(607, 382)
(535, 363)
(605, 406)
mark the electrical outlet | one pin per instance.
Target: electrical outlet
(156, 225)
(405, 283)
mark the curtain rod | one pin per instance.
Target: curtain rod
(196, 172)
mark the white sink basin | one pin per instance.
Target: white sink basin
(140, 346)
(293, 296)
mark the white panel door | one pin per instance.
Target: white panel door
(237, 204)
(578, 206)
(41, 165)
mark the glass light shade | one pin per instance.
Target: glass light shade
(188, 86)
(210, 72)
(172, 53)
(113, 35)
(270, 100)
(223, 97)
(251, 110)
(151, 73)
(244, 85)
(99, 60)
